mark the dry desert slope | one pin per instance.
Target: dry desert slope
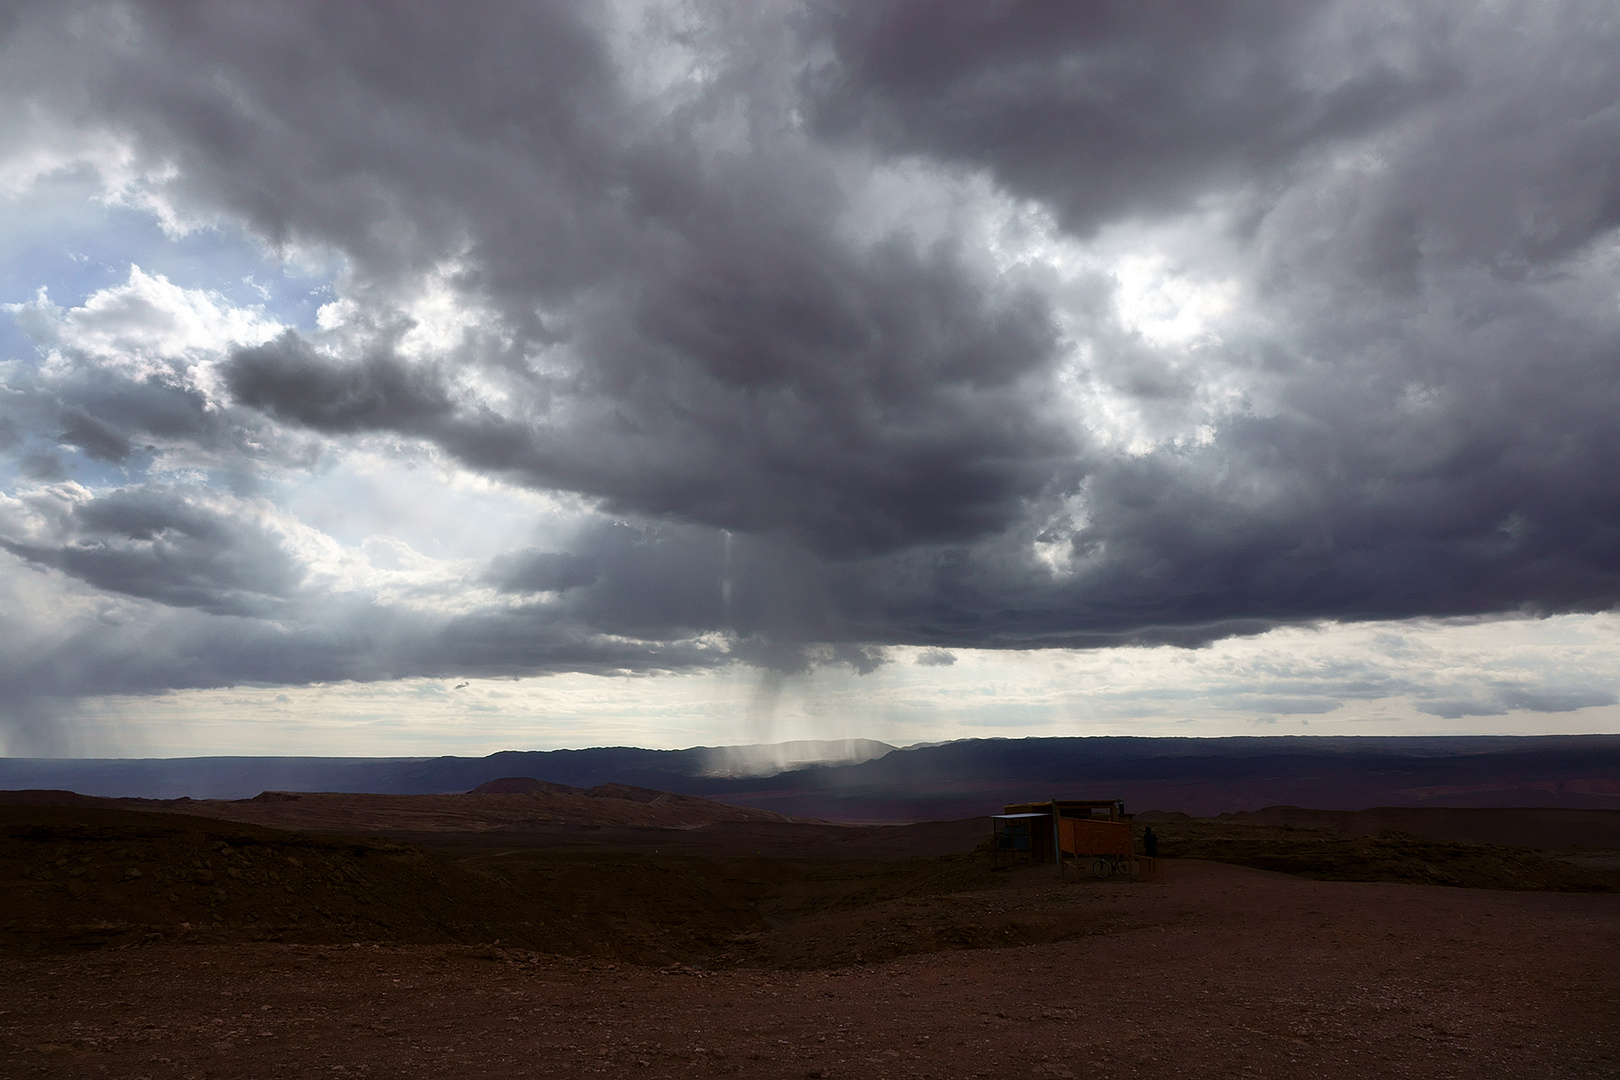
(454, 941)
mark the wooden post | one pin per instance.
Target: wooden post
(1057, 839)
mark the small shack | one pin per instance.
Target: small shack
(1015, 835)
(1058, 828)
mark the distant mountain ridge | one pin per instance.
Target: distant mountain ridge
(872, 781)
(240, 777)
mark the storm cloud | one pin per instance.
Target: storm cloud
(834, 327)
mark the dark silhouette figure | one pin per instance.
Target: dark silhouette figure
(1150, 843)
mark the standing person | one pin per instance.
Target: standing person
(1150, 843)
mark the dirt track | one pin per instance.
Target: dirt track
(1220, 972)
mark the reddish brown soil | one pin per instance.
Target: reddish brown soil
(1387, 856)
(1527, 827)
(82, 877)
(172, 945)
(1219, 972)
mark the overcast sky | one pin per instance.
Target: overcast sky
(399, 378)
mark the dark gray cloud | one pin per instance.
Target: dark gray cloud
(161, 545)
(97, 439)
(1502, 699)
(151, 651)
(289, 380)
(542, 571)
(863, 660)
(1115, 109)
(723, 321)
(850, 405)
(761, 318)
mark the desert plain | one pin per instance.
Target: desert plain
(536, 930)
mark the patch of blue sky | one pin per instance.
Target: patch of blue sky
(60, 236)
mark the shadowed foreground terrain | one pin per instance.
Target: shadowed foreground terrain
(494, 936)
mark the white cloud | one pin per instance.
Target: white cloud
(146, 326)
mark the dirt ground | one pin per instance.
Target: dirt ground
(1220, 971)
(768, 949)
